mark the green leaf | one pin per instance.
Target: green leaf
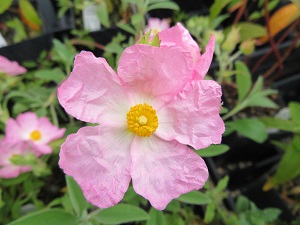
(249, 30)
(294, 108)
(261, 101)
(163, 5)
(242, 204)
(209, 213)
(288, 167)
(18, 27)
(243, 80)
(156, 217)
(251, 128)
(173, 206)
(222, 184)
(194, 198)
(281, 124)
(121, 213)
(77, 198)
(47, 217)
(213, 150)
(55, 75)
(29, 12)
(270, 214)
(1, 201)
(127, 28)
(4, 5)
(102, 13)
(216, 8)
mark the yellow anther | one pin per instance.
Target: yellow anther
(36, 135)
(142, 120)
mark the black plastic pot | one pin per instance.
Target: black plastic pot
(48, 10)
(289, 88)
(27, 50)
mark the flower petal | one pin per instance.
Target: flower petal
(193, 116)
(11, 67)
(49, 131)
(180, 36)
(93, 91)
(163, 170)
(156, 72)
(202, 66)
(99, 160)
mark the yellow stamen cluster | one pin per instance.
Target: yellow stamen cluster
(142, 120)
(36, 135)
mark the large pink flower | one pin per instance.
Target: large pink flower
(10, 67)
(39, 132)
(7, 150)
(148, 113)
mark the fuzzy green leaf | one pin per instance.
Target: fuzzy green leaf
(156, 217)
(213, 150)
(47, 217)
(251, 128)
(194, 198)
(121, 213)
(4, 5)
(77, 198)
(243, 80)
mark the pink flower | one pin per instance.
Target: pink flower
(179, 36)
(39, 132)
(156, 25)
(7, 150)
(148, 113)
(10, 67)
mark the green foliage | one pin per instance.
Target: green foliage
(47, 217)
(77, 199)
(251, 128)
(195, 198)
(4, 5)
(29, 12)
(250, 30)
(247, 97)
(103, 13)
(156, 217)
(213, 150)
(18, 27)
(121, 213)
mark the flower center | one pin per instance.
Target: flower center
(142, 120)
(35, 135)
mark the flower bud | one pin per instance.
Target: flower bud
(247, 47)
(232, 39)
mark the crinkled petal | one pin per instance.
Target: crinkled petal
(192, 117)
(202, 66)
(92, 92)
(99, 160)
(163, 170)
(156, 72)
(180, 36)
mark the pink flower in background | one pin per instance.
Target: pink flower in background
(39, 132)
(10, 67)
(179, 36)
(7, 150)
(148, 113)
(156, 25)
